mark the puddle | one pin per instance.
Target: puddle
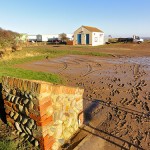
(137, 60)
(84, 65)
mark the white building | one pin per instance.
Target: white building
(46, 37)
(86, 35)
(32, 38)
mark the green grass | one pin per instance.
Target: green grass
(8, 145)
(33, 54)
(14, 145)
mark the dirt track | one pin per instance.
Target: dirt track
(116, 89)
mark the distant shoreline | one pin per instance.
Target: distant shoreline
(146, 38)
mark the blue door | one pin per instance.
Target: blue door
(87, 38)
(79, 38)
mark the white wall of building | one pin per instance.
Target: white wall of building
(31, 37)
(97, 38)
(45, 37)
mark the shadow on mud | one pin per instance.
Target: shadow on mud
(107, 136)
(97, 106)
(2, 109)
(92, 129)
(89, 110)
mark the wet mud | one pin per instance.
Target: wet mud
(121, 89)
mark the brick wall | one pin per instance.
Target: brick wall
(43, 113)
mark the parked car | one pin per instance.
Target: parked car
(56, 41)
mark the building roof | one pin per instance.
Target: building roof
(92, 29)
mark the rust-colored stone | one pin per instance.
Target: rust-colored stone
(25, 85)
(57, 89)
(8, 103)
(34, 117)
(45, 117)
(43, 107)
(45, 88)
(44, 100)
(14, 106)
(45, 122)
(29, 85)
(68, 90)
(10, 82)
(7, 111)
(47, 142)
(19, 84)
(15, 82)
(9, 120)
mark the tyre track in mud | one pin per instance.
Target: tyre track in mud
(88, 66)
(90, 70)
(65, 66)
(122, 125)
(121, 84)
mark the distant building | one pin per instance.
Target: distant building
(32, 38)
(46, 37)
(86, 35)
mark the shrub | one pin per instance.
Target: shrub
(7, 38)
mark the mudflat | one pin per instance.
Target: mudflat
(117, 88)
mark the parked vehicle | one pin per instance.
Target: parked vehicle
(56, 41)
(135, 39)
(125, 40)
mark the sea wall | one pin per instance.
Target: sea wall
(43, 113)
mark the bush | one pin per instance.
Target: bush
(16, 48)
(7, 38)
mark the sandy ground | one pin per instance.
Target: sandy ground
(116, 97)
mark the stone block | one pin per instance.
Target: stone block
(43, 113)
(68, 90)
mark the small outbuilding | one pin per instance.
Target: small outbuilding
(86, 35)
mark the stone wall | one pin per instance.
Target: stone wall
(43, 113)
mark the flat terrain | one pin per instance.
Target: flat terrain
(117, 92)
(131, 50)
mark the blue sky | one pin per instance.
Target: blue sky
(118, 18)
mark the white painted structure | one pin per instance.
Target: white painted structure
(46, 37)
(31, 38)
(86, 35)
